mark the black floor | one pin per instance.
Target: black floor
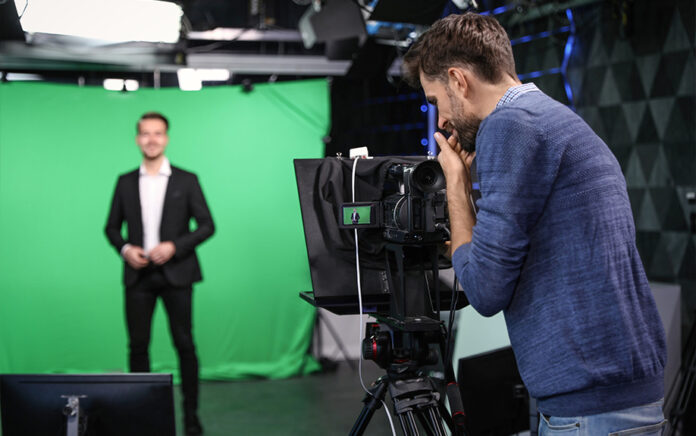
(326, 404)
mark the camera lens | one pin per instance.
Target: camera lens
(428, 176)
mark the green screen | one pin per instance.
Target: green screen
(61, 298)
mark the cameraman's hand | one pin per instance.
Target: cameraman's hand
(454, 160)
(445, 249)
(456, 163)
(135, 257)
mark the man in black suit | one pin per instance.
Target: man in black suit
(355, 216)
(157, 202)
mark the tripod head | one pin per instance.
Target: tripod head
(400, 351)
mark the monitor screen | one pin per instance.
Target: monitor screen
(111, 404)
(358, 215)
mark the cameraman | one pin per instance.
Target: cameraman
(553, 243)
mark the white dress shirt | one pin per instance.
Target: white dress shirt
(152, 190)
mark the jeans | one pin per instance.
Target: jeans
(646, 420)
(140, 305)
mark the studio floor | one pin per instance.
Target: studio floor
(322, 404)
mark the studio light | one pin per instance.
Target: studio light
(189, 80)
(336, 20)
(131, 85)
(121, 85)
(213, 74)
(22, 77)
(105, 20)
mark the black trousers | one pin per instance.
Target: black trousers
(140, 305)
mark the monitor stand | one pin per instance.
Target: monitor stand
(72, 415)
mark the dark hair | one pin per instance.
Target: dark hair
(468, 40)
(152, 116)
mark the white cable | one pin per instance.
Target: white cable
(360, 305)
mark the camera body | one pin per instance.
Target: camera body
(413, 209)
(417, 212)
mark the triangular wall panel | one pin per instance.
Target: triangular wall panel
(628, 81)
(680, 125)
(661, 108)
(648, 218)
(635, 178)
(634, 112)
(660, 174)
(677, 38)
(598, 53)
(687, 87)
(609, 94)
(648, 156)
(647, 68)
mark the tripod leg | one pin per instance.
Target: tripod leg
(373, 401)
(436, 420)
(408, 423)
(426, 422)
(431, 420)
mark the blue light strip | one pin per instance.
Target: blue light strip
(536, 74)
(546, 34)
(498, 11)
(566, 57)
(432, 125)
(373, 27)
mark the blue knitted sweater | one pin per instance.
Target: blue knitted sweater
(554, 249)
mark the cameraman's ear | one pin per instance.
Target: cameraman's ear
(459, 80)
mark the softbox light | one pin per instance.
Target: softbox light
(337, 19)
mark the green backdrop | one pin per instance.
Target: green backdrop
(61, 299)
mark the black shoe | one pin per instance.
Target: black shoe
(193, 425)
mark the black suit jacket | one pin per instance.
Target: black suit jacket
(183, 200)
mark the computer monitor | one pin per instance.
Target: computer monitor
(110, 404)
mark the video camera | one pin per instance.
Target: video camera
(413, 209)
(398, 206)
(391, 213)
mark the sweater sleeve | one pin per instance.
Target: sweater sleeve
(516, 170)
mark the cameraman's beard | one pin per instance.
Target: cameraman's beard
(466, 127)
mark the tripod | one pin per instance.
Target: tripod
(414, 395)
